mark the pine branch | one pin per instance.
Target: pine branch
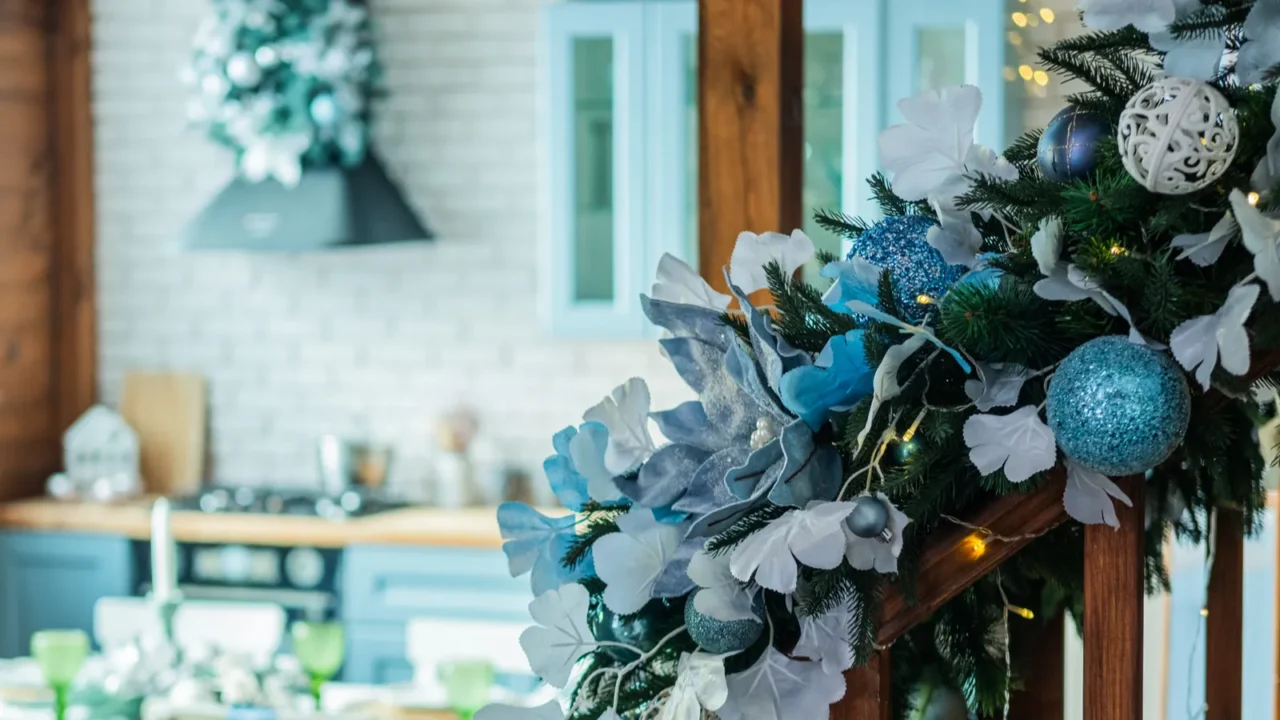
(597, 526)
(845, 226)
(750, 524)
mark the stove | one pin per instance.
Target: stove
(266, 501)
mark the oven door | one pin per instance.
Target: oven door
(302, 580)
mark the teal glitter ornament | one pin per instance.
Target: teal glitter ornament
(1118, 408)
(920, 276)
(717, 636)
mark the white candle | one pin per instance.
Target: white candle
(164, 554)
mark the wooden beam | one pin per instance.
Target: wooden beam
(750, 123)
(74, 319)
(1038, 658)
(868, 693)
(952, 561)
(28, 441)
(1224, 628)
(1113, 609)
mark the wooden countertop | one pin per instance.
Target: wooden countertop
(471, 527)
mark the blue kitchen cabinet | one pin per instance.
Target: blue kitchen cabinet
(52, 580)
(620, 121)
(383, 587)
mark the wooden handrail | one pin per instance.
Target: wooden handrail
(957, 557)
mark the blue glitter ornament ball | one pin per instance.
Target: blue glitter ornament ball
(1118, 408)
(899, 245)
(717, 636)
(1070, 145)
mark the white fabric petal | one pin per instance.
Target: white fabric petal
(626, 415)
(752, 252)
(926, 155)
(1046, 244)
(766, 556)
(999, 385)
(700, 683)
(562, 635)
(779, 688)
(1019, 441)
(1088, 496)
(629, 562)
(816, 538)
(721, 595)
(1261, 234)
(825, 639)
(1146, 15)
(1198, 343)
(679, 283)
(1204, 249)
(955, 237)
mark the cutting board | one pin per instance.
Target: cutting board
(167, 410)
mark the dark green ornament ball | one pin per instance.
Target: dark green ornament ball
(642, 630)
(717, 636)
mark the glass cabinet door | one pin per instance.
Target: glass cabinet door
(937, 43)
(594, 70)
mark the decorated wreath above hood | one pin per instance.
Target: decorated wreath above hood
(286, 84)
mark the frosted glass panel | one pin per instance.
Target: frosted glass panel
(940, 57)
(823, 136)
(592, 181)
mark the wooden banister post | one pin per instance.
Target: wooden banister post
(1113, 604)
(1224, 628)
(750, 123)
(868, 694)
(1038, 649)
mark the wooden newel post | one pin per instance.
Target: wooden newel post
(1113, 602)
(868, 694)
(1224, 627)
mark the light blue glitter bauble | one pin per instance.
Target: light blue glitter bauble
(899, 245)
(717, 636)
(1118, 408)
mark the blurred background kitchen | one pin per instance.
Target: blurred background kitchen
(333, 376)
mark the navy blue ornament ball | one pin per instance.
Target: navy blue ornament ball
(900, 245)
(717, 636)
(1071, 144)
(1118, 408)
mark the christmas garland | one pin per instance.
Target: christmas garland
(285, 83)
(1088, 299)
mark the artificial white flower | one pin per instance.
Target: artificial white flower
(926, 154)
(825, 639)
(955, 236)
(700, 684)
(1267, 174)
(998, 385)
(885, 383)
(589, 460)
(779, 688)
(752, 252)
(1146, 15)
(679, 283)
(1046, 245)
(719, 593)
(562, 634)
(1204, 249)
(549, 711)
(1088, 496)
(1261, 50)
(873, 553)
(1261, 235)
(1198, 57)
(625, 413)
(1200, 343)
(630, 561)
(811, 536)
(1019, 442)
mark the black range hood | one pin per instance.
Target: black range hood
(329, 208)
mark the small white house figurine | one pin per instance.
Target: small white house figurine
(100, 454)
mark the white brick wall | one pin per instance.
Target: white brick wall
(380, 341)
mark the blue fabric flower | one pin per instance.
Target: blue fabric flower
(536, 544)
(855, 279)
(576, 472)
(839, 378)
(984, 273)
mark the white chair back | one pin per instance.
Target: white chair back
(119, 621)
(251, 629)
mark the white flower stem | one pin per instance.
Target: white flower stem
(617, 683)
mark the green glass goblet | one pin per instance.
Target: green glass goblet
(60, 653)
(468, 684)
(321, 648)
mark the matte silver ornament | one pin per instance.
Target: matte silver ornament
(869, 518)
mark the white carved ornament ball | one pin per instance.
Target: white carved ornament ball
(1177, 136)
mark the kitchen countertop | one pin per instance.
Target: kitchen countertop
(470, 527)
